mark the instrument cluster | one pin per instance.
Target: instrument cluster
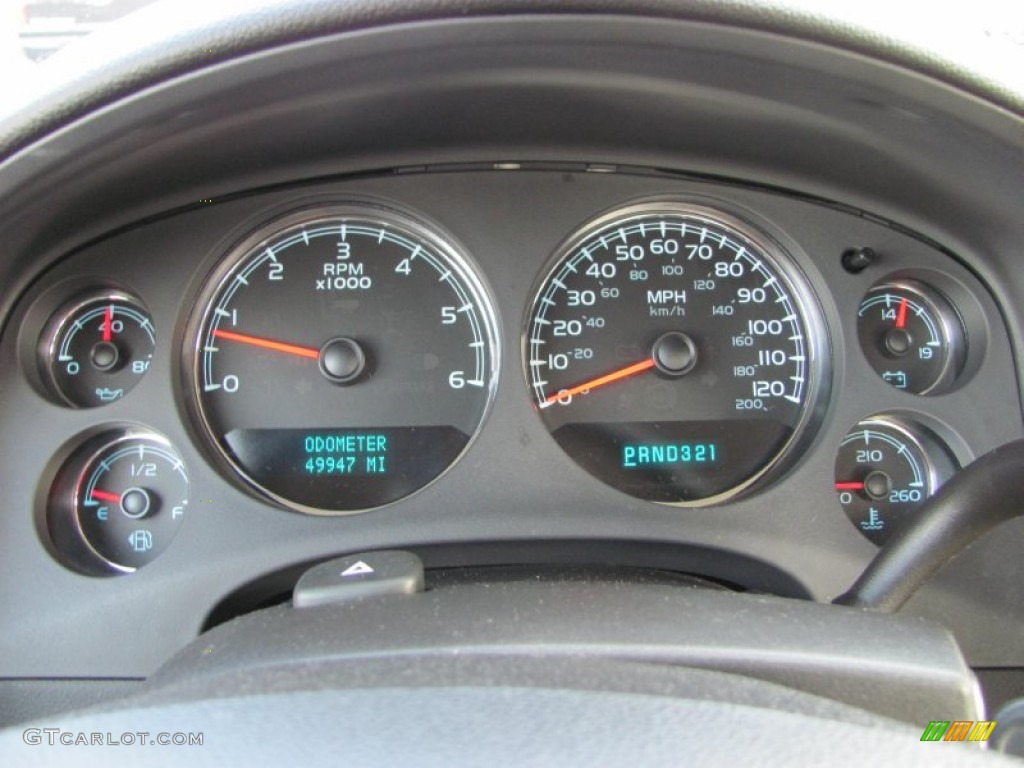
(339, 354)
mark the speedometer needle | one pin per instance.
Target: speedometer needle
(600, 381)
(276, 346)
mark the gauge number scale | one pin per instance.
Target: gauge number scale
(912, 336)
(118, 501)
(97, 349)
(886, 468)
(669, 352)
(344, 358)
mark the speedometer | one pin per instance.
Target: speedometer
(675, 353)
(342, 358)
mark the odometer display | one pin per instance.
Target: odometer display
(344, 357)
(670, 353)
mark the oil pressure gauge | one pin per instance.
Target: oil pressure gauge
(912, 336)
(96, 349)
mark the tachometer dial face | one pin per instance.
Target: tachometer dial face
(343, 358)
(673, 352)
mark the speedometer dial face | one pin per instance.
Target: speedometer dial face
(343, 358)
(673, 353)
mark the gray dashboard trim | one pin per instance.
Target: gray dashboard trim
(832, 124)
(898, 667)
(177, 38)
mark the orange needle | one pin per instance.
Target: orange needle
(600, 381)
(901, 316)
(276, 346)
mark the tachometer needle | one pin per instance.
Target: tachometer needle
(104, 496)
(901, 315)
(600, 381)
(276, 346)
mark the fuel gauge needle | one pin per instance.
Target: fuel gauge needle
(600, 381)
(104, 496)
(275, 346)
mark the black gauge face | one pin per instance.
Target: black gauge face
(119, 501)
(669, 352)
(344, 358)
(885, 469)
(911, 336)
(97, 349)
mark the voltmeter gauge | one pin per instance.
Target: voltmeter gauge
(886, 467)
(96, 349)
(912, 336)
(118, 501)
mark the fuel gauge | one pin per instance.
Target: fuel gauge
(118, 501)
(912, 336)
(96, 349)
(885, 469)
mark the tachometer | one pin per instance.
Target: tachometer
(343, 358)
(674, 352)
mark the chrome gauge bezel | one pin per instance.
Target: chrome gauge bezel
(950, 328)
(791, 273)
(908, 434)
(56, 329)
(935, 459)
(375, 213)
(64, 523)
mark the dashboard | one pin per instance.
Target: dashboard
(167, 275)
(502, 291)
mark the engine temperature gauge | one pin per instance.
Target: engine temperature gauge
(96, 349)
(912, 336)
(118, 501)
(885, 468)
